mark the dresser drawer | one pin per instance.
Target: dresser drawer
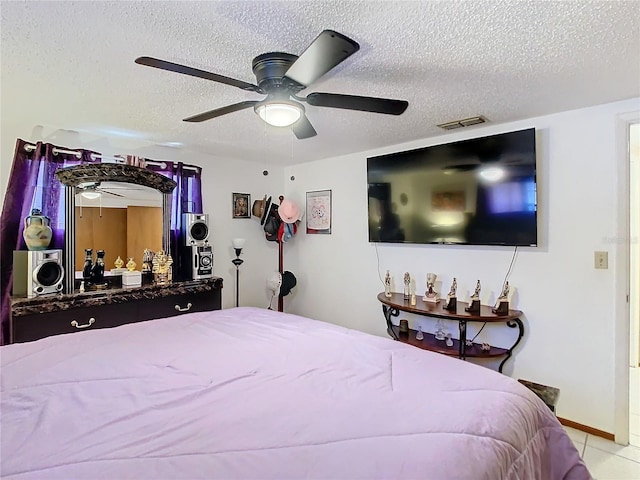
(179, 304)
(39, 325)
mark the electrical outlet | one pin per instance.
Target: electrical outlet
(601, 260)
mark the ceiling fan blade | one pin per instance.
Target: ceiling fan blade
(194, 72)
(303, 129)
(201, 117)
(325, 52)
(110, 193)
(354, 102)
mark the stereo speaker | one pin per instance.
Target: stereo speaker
(37, 272)
(195, 228)
(201, 262)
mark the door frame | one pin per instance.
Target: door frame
(622, 325)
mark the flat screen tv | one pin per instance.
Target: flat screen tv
(480, 191)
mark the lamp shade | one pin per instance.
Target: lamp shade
(91, 195)
(238, 242)
(279, 113)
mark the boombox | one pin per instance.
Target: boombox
(37, 272)
(196, 228)
(201, 262)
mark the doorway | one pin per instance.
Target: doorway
(634, 284)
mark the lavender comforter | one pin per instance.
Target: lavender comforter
(251, 393)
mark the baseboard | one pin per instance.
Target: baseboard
(584, 428)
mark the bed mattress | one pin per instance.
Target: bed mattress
(253, 393)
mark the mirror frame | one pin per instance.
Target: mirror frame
(71, 177)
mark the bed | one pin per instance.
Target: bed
(252, 393)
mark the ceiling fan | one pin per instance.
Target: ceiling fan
(92, 190)
(281, 76)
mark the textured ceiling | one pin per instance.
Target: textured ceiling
(71, 65)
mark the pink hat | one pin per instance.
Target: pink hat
(289, 211)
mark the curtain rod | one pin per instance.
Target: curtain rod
(56, 151)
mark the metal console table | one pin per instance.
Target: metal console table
(392, 306)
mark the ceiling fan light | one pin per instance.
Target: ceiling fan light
(90, 195)
(279, 113)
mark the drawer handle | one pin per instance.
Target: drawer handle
(185, 309)
(87, 325)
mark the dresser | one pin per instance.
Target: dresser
(35, 318)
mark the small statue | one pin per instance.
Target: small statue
(407, 286)
(162, 271)
(431, 295)
(440, 333)
(119, 262)
(502, 304)
(131, 264)
(449, 341)
(452, 300)
(147, 261)
(419, 334)
(387, 285)
(88, 263)
(97, 271)
(474, 301)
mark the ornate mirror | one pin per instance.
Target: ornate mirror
(91, 189)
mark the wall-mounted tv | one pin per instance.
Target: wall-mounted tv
(480, 191)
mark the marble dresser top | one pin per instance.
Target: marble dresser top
(56, 302)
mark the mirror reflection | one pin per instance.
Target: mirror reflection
(122, 219)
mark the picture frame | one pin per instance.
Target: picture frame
(240, 205)
(318, 212)
(448, 201)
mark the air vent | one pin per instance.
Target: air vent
(465, 122)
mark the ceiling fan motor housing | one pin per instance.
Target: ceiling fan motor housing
(270, 68)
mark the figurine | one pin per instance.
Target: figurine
(147, 260)
(387, 285)
(474, 301)
(162, 271)
(97, 271)
(431, 295)
(131, 264)
(419, 334)
(88, 263)
(502, 304)
(452, 300)
(449, 341)
(440, 335)
(407, 286)
(119, 262)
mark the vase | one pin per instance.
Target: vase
(37, 231)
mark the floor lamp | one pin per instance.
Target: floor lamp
(238, 243)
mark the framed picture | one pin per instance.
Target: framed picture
(240, 205)
(452, 201)
(319, 211)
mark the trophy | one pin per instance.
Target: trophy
(387, 285)
(452, 300)
(474, 301)
(502, 304)
(431, 295)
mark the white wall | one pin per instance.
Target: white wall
(220, 177)
(568, 305)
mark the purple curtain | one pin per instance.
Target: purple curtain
(186, 198)
(31, 184)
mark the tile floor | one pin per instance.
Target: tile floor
(606, 460)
